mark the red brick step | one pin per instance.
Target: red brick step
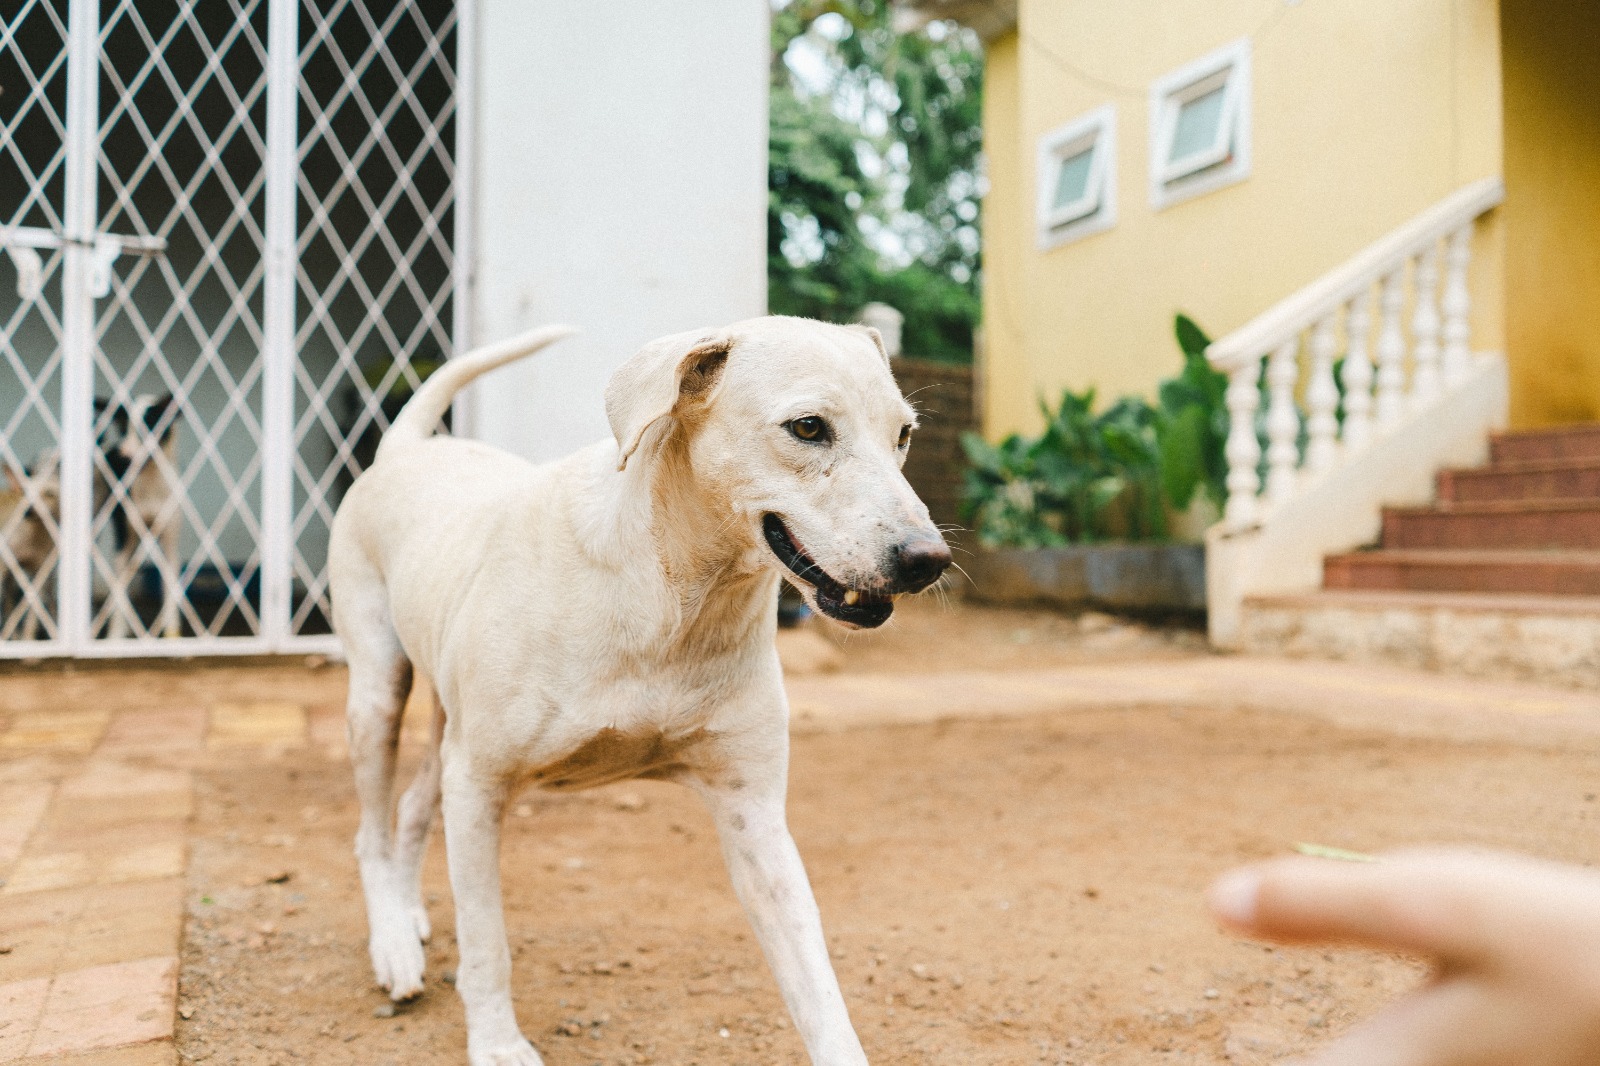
(1562, 442)
(1553, 479)
(1565, 524)
(1546, 573)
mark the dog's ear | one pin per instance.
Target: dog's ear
(874, 336)
(662, 376)
(157, 410)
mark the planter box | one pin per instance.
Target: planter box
(1125, 577)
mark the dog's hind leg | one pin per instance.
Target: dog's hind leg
(417, 809)
(380, 678)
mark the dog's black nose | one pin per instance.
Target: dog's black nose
(919, 562)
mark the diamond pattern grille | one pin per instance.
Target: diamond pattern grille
(377, 207)
(33, 152)
(176, 535)
(183, 105)
(33, 74)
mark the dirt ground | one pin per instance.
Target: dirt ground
(1023, 891)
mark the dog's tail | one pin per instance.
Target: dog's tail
(417, 419)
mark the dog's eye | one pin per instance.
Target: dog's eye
(810, 429)
(905, 435)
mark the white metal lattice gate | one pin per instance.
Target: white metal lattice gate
(250, 207)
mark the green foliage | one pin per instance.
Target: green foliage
(1087, 478)
(1114, 475)
(1194, 423)
(873, 184)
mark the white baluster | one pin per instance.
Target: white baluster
(1392, 351)
(1457, 302)
(1283, 423)
(1242, 450)
(1322, 399)
(1357, 374)
(1425, 330)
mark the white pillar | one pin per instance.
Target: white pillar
(887, 321)
(620, 160)
(1322, 399)
(1283, 423)
(1457, 304)
(1242, 450)
(1357, 374)
(1392, 351)
(1425, 329)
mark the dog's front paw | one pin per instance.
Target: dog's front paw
(398, 962)
(519, 1053)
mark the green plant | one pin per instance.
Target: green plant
(1114, 475)
(1194, 423)
(1087, 478)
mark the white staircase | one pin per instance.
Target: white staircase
(1416, 397)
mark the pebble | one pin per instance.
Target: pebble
(383, 1010)
(1212, 993)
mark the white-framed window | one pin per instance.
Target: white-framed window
(1200, 126)
(1078, 178)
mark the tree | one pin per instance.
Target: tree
(873, 170)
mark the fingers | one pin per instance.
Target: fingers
(1456, 905)
(1441, 1026)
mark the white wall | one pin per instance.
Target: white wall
(621, 155)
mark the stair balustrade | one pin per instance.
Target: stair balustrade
(1337, 307)
(1399, 315)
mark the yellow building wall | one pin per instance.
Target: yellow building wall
(1364, 113)
(1002, 368)
(1552, 211)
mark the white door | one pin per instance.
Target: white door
(229, 229)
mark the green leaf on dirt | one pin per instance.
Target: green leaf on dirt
(1322, 851)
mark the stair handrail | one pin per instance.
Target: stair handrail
(1297, 312)
(1379, 391)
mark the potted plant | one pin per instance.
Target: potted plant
(1105, 508)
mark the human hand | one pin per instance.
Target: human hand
(1515, 943)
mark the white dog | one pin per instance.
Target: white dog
(612, 616)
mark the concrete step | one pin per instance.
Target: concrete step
(1546, 573)
(1525, 524)
(1560, 442)
(1552, 479)
(1552, 639)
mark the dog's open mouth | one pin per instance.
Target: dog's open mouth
(850, 606)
